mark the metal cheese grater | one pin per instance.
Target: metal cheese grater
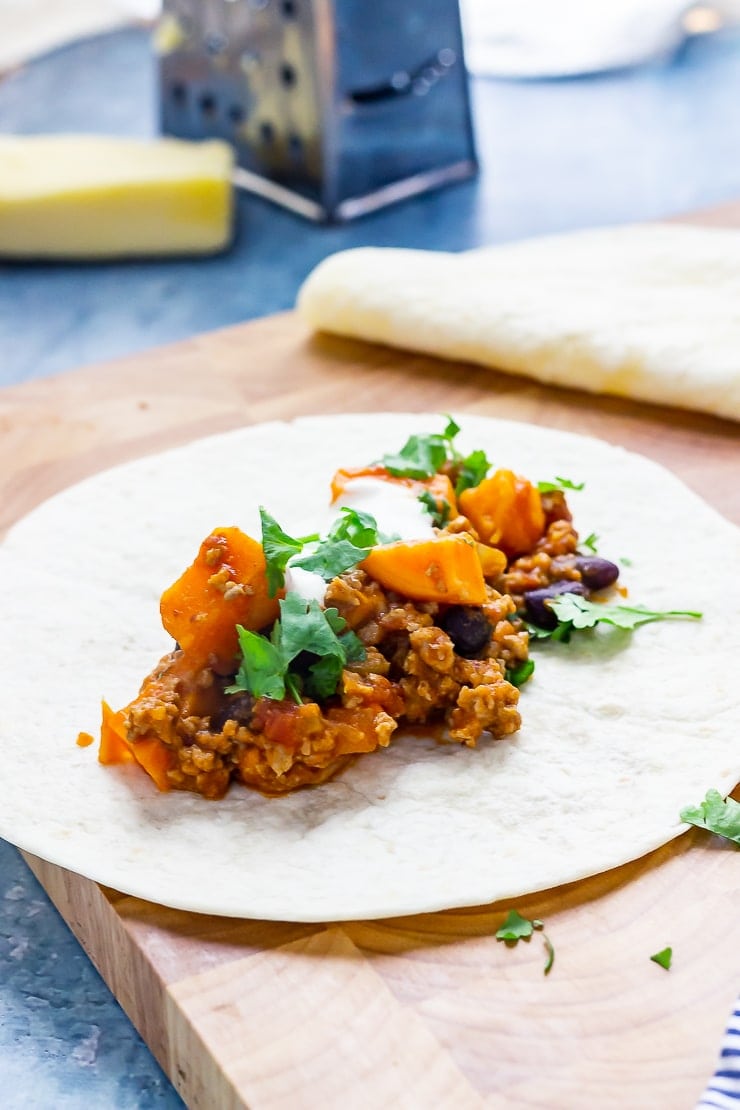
(336, 107)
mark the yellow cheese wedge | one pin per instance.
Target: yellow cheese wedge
(89, 196)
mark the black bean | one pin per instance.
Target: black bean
(597, 573)
(538, 612)
(238, 708)
(468, 629)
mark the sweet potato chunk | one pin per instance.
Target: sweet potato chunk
(505, 511)
(445, 569)
(224, 587)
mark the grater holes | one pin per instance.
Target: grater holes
(295, 147)
(207, 104)
(267, 133)
(289, 9)
(236, 114)
(179, 93)
(288, 75)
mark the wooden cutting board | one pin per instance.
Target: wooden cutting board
(421, 1012)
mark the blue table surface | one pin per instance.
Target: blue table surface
(555, 155)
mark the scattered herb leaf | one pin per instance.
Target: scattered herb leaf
(278, 547)
(715, 814)
(519, 674)
(559, 484)
(590, 542)
(439, 511)
(625, 561)
(576, 613)
(550, 954)
(516, 928)
(663, 958)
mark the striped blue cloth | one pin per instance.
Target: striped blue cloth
(723, 1089)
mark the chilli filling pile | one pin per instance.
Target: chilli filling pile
(294, 655)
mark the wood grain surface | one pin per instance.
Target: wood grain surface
(429, 1011)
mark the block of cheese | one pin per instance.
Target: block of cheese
(650, 312)
(90, 196)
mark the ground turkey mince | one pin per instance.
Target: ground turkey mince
(425, 663)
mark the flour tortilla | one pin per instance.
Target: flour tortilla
(619, 732)
(650, 312)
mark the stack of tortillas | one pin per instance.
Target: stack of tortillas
(650, 312)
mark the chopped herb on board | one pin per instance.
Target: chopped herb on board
(663, 958)
(516, 928)
(716, 815)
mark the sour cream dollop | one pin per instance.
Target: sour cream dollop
(396, 508)
(397, 511)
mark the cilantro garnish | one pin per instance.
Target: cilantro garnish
(519, 674)
(271, 667)
(715, 815)
(575, 613)
(625, 561)
(422, 456)
(559, 484)
(516, 928)
(663, 957)
(347, 543)
(439, 511)
(472, 470)
(278, 547)
(590, 542)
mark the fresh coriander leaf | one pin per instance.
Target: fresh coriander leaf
(472, 470)
(306, 627)
(263, 668)
(515, 927)
(294, 685)
(590, 542)
(347, 543)
(359, 528)
(559, 484)
(323, 676)
(519, 674)
(537, 633)
(278, 547)
(439, 512)
(331, 558)
(550, 954)
(579, 613)
(663, 958)
(420, 457)
(715, 814)
(625, 561)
